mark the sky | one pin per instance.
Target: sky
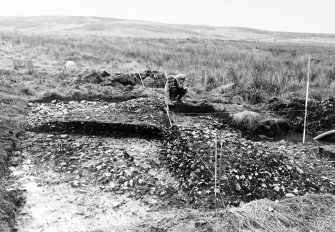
(315, 16)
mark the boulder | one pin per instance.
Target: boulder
(69, 66)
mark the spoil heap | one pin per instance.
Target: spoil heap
(151, 78)
(321, 114)
(92, 77)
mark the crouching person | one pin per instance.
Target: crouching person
(175, 88)
(181, 89)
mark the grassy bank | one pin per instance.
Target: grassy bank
(12, 111)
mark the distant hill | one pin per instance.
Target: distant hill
(131, 28)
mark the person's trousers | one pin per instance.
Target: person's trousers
(180, 92)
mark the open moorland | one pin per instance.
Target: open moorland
(93, 148)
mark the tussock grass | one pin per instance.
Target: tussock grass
(314, 212)
(248, 120)
(14, 124)
(12, 114)
(307, 213)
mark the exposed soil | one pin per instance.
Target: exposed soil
(101, 129)
(193, 108)
(11, 111)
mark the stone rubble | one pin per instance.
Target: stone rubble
(247, 170)
(117, 165)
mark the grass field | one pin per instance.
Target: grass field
(258, 70)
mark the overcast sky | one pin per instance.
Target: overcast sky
(276, 15)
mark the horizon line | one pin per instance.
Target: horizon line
(181, 24)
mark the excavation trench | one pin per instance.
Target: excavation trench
(105, 176)
(115, 130)
(189, 108)
(185, 152)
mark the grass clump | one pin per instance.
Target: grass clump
(307, 213)
(247, 120)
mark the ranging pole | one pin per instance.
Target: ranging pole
(220, 162)
(168, 114)
(215, 173)
(141, 78)
(307, 86)
(216, 190)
